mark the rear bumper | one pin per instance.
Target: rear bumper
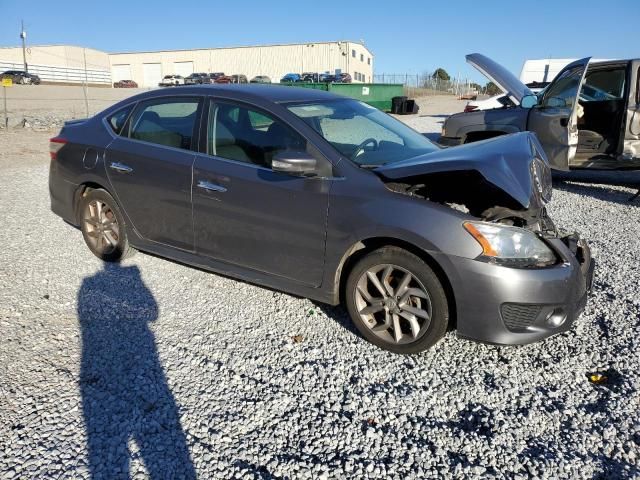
(508, 306)
(62, 195)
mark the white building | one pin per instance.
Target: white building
(148, 68)
(62, 64)
(69, 64)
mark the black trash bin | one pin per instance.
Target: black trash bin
(411, 107)
(399, 105)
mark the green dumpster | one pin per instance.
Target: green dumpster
(377, 95)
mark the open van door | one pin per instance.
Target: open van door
(631, 148)
(554, 117)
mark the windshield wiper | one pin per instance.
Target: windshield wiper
(370, 166)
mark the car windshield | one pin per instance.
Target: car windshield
(363, 133)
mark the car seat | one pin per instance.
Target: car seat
(150, 129)
(224, 145)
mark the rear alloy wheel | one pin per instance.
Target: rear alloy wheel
(103, 227)
(396, 301)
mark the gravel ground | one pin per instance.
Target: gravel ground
(162, 370)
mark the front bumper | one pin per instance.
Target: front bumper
(511, 306)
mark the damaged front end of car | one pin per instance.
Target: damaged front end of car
(502, 186)
(504, 181)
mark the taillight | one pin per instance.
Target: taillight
(55, 144)
(470, 108)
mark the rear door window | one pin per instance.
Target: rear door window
(168, 122)
(601, 85)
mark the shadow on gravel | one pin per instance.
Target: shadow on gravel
(596, 184)
(129, 411)
(339, 314)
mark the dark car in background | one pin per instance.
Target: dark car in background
(21, 77)
(215, 75)
(327, 78)
(239, 78)
(260, 79)
(198, 79)
(328, 198)
(125, 84)
(310, 77)
(291, 77)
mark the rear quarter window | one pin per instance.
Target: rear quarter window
(117, 120)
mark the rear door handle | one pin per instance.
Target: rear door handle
(211, 187)
(119, 167)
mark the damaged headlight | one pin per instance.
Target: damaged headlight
(510, 246)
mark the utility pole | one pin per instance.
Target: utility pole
(86, 82)
(23, 36)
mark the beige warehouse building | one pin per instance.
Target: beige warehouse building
(59, 63)
(72, 64)
(148, 68)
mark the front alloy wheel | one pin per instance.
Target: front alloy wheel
(396, 301)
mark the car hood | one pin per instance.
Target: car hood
(506, 162)
(503, 78)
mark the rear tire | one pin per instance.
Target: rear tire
(396, 301)
(103, 227)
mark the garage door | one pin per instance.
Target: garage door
(152, 74)
(120, 72)
(183, 68)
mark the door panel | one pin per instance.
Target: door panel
(151, 171)
(555, 118)
(260, 219)
(156, 193)
(247, 214)
(631, 148)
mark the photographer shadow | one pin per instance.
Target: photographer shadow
(129, 411)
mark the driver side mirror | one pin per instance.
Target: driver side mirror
(294, 163)
(529, 101)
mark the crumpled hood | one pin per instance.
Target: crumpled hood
(506, 162)
(503, 78)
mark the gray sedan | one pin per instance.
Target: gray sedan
(328, 198)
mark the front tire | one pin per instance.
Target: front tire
(103, 227)
(396, 301)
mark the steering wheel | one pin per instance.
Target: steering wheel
(360, 147)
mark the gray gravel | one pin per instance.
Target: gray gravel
(158, 369)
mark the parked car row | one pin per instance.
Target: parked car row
(208, 79)
(310, 77)
(21, 77)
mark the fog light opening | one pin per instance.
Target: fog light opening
(556, 317)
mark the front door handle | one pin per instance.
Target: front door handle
(211, 187)
(119, 167)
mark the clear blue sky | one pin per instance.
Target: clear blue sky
(409, 36)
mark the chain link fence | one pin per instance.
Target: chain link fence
(420, 84)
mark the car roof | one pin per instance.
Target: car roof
(273, 93)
